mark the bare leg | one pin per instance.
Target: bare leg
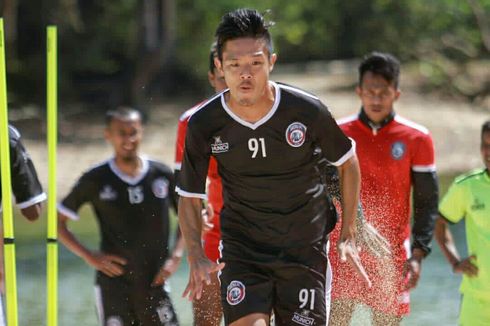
(257, 319)
(341, 312)
(207, 311)
(381, 319)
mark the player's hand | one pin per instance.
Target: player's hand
(412, 268)
(110, 265)
(200, 270)
(466, 266)
(207, 216)
(348, 251)
(371, 239)
(167, 270)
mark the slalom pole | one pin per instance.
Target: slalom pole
(8, 227)
(52, 235)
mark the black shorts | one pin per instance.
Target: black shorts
(293, 283)
(121, 302)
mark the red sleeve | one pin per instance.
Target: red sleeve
(180, 141)
(423, 159)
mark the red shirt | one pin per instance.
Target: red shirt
(387, 156)
(214, 191)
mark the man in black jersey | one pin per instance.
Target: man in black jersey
(276, 215)
(26, 188)
(131, 197)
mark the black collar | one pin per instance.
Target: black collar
(372, 125)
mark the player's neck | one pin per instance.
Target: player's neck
(255, 112)
(131, 167)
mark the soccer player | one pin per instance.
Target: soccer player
(26, 187)
(275, 218)
(469, 198)
(207, 310)
(131, 197)
(396, 156)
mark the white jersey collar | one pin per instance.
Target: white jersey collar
(264, 119)
(127, 178)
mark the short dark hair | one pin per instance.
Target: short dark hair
(383, 64)
(242, 23)
(212, 54)
(485, 128)
(122, 113)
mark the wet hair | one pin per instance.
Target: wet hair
(212, 54)
(122, 113)
(382, 64)
(485, 128)
(243, 23)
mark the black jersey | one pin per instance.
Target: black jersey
(25, 184)
(272, 187)
(133, 212)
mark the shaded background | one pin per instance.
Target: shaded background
(152, 54)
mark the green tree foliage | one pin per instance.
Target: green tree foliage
(101, 40)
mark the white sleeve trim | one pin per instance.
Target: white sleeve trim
(184, 193)
(68, 212)
(178, 166)
(347, 155)
(32, 201)
(424, 168)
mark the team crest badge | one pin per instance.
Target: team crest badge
(397, 150)
(114, 321)
(160, 188)
(296, 134)
(235, 293)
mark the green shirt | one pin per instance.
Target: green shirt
(469, 198)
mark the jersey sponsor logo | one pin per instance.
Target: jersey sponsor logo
(296, 134)
(235, 293)
(107, 193)
(398, 150)
(114, 321)
(478, 205)
(160, 188)
(219, 146)
(303, 318)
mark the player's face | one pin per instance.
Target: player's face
(485, 149)
(125, 137)
(377, 96)
(217, 80)
(246, 66)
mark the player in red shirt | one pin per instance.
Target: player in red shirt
(207, 310)
(396, 156)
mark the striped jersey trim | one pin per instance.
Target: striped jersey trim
(424, 168)
(411, 124)
(184, 193)
(34, 200)
(68, 212)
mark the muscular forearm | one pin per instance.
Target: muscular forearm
(350, 185)
(445, 240)
(70, 241)
(191, 225)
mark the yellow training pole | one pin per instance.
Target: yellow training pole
(52, 244)
(8, 227)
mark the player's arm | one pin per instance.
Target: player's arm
(200, 266)
(111, 265)
(26, 187)
(445, 240)
(350, 177)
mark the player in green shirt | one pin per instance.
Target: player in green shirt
(469, 198)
